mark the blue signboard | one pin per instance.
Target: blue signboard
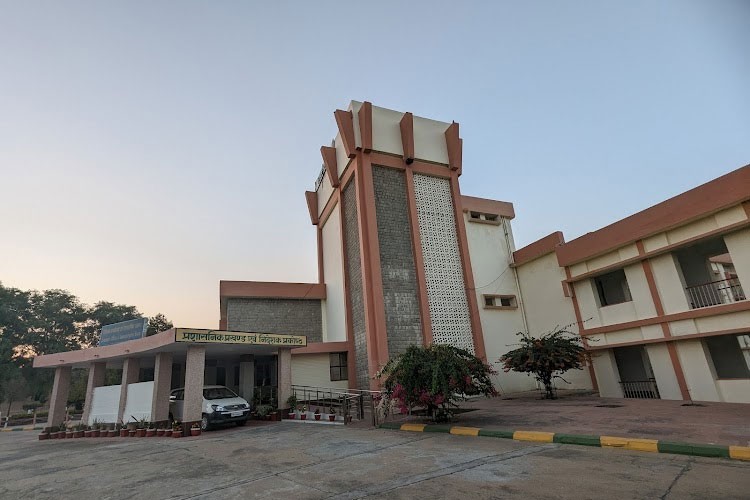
(123, 331)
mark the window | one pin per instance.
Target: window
(612, 288)
(485, 218)
(221, 375)
(339, 369)
(500, 302)
(730, 355)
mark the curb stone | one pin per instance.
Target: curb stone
(627, 443)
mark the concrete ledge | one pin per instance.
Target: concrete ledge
(15, 429)
(626, 443)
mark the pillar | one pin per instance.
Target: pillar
(247, 377)
(162, 386)
(96, 379)
(285, 376)
(58, 401)
(130, 371)
(194, 367)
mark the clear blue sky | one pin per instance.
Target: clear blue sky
(149, 149)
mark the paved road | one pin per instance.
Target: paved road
(288, 460)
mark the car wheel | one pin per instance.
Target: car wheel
(240, 423)
(204, 423)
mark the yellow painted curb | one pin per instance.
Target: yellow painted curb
(739, 452)
(413, 427)
(465, 431)
(540, 437)
(630, 443)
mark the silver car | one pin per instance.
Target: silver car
(220, 406)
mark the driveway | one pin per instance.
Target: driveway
(287, 460)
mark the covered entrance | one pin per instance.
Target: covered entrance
(257, 366)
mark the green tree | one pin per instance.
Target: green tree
(100, 314)
(158, 323)
(546, 357)
(435, 377)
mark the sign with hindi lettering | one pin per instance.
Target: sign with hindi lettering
(200, 336)
(123, 331)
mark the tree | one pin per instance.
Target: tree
(104, 313)
(546, 357)
(158, 323)
(435, 377)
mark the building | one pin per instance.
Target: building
(404, 258)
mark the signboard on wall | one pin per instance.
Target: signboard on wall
(123, 331)
(200, 336)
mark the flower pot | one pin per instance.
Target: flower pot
(69, 435)
(176, 434)
(195, 431)
(332, 417)
(317, 416)
(44, 436)
(150, 433)
(140, 433)
(112, 433)
(275, 416)
(167, 432)
(95, 433)
(159, 432)
(131, 433)
(292, 415)
(123, 433)
(78, 434)
(88, 434)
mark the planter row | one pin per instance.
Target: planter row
(113, 433)
(298, 415)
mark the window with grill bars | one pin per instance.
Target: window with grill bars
(339, 369)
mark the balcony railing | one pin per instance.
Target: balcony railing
(715, 293)
(640, 389)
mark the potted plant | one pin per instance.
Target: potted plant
(176, 429)
(123, 430)
(168, 431)
(195, 429)
(160, 431)
(69, 432)
(95, 428)
(317, 413)
(331, 414)
(87, 431)
(292, 402)
(151, 431)
(303, 412)
(263, 411)
(44, 435)
(78, 430)
(112, 431)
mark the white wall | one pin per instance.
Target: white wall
(333, 306)
(738, 245)
(669, 283)
(661, 364)
(138, 404)
(105, 404)
(607, 375)
(314, 370)
(698, 373)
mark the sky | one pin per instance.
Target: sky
(149, 149)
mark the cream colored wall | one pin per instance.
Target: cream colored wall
(333, 308)
(661, 364)
(669, 284)
(587, 304)
(698, 373)
(643, 303)
(324, 193)
(429, 140)
(547, 307)
(738, 244)
(607, 375)
(734, 391)
(314, 370)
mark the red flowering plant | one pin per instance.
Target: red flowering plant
(435, 377)
(547, 357)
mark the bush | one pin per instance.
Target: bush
(435, 377)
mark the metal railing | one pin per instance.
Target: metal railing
(640, 389)
(715, 293)
(350, 403)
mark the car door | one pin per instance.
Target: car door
(177, 403)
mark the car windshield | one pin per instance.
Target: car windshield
(218, 393)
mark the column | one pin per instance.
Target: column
(194, 367)
(285, 376)
(247, 377)
(130, 370)
(162, 386)
(58, 401)
(96, 379)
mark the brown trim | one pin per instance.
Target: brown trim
(702, 201)
(416, 241)
(331, 164)
(364, 115)
(539, 248)
(419, 167)
(579, 323)
(660, 251)
(351, 357)
(330, 205)
(323, 347)
(321, 269)
(454, 144)
(746, 207)
(671, 340)
(668, 318)
(312, 206)
(407, 137)
(656, 299)
(269, 289)
(463, 246)
(345, 123)
(485, 206)
(223, 323)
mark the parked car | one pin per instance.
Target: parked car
(220, 406)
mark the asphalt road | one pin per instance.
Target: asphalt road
(309, 461)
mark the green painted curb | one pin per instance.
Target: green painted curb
(390, 425)
(701, 450)
(496, 433)
(437, 428)
(582, 439)
(16, 429)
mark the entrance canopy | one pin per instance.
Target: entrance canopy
(218, 343)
